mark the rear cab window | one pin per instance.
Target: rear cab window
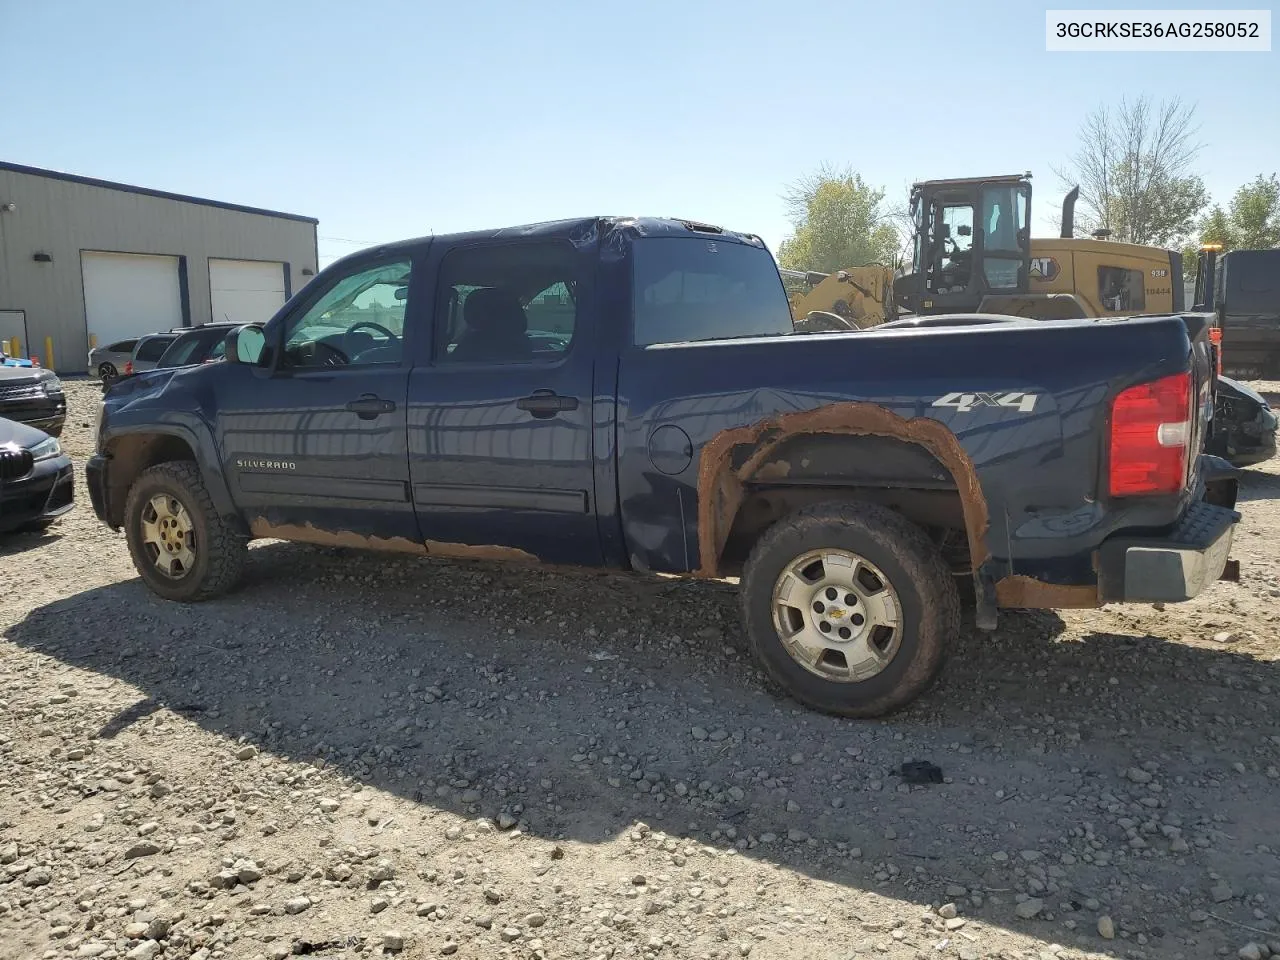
(689, 289)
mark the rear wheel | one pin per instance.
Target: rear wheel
(180, 545)
(107, 372)
(850, 608)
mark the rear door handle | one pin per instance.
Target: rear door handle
(370, 407)
(544, 404)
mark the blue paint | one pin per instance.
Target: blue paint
(611, 478)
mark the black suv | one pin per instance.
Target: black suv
(198, 345)
(34, 396)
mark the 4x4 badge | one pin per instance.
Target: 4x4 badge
(966, 402)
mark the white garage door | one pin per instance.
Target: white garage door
(127, 294)
(245, 291)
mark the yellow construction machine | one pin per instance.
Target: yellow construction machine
(973, 253)
(860, 296)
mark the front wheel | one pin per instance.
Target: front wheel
(180, 545)
(849, 607)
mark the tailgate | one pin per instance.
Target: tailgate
(1204, 378)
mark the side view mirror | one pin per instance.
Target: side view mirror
(245, 345)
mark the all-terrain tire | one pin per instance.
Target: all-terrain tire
(926, 591)
(219, 550)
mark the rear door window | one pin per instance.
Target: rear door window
(508, 303)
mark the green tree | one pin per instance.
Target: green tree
(837, 222)
(1134, 169)
(1218, 227)
(1250, 222)
(1255, 215)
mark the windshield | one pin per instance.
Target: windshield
(693, 288)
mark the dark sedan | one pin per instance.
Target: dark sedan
(33, 396)
(36, 481)
(1244, 425)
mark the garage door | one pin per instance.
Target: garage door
(126, 295)
(245, 291)
(13, 326)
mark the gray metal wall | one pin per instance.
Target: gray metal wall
(62, 218)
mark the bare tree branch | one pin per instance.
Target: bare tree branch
(1135, 170)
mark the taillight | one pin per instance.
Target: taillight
(128, 367)
(1215, 338)
(1151, 428)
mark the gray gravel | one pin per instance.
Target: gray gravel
(367, 755)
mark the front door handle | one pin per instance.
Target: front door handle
(370, 407)
(545, 404)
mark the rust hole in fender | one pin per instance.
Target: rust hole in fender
(721, 484)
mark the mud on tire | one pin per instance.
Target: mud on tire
(902, 579)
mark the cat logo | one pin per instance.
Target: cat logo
(1044, 268)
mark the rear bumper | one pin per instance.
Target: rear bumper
(1173, 567)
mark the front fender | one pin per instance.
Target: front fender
(136, 438)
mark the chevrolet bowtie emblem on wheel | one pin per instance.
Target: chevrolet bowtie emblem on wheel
(835, 614)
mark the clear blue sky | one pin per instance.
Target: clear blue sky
(387, 120)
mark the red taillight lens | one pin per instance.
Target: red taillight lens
(128, 366)
(1151, 426)
(1215, 338)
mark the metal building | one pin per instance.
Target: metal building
(87, 262)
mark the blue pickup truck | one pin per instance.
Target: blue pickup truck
(632, 394)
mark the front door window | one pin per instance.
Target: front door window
(358, 321)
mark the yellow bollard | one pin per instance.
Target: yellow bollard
(48, 352)
(93, 341)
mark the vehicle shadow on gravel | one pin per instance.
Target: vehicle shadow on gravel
(18, 542)
(1257, 483)
(583, 704)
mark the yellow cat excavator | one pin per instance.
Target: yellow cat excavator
(973, 253)
(858, 296)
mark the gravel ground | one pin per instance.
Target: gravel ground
(361, 754)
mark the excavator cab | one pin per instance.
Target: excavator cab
(972, 241)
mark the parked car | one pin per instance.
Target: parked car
(34, 396)
(631, 393)
(7, 360)
(107, 362)
(36, 481)
(148, 351)
(200, 344)
(1244, 425)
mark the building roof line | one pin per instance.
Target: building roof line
(148, 192)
